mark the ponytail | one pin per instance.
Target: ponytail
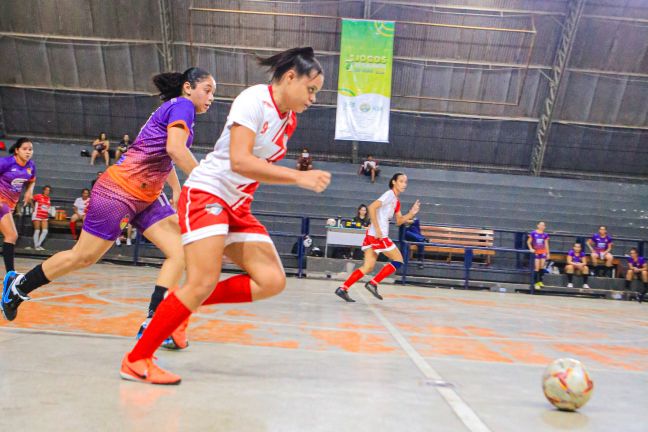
(170, 83)
(301, 60)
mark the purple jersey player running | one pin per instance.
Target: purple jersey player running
(133, 188)
(600, 246)
(15, 171)
(538, 243)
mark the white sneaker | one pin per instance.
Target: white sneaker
(118, 242)
(570, 285)
(40, 248)
(29, 248)
(586, 286)
(128, 242)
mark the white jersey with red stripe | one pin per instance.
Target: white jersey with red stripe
(390, 206)
(256, 110)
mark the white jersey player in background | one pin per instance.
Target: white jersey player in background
(377, 240)
(214, 206)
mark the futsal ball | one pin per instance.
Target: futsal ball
(567, 384)
(331, 222)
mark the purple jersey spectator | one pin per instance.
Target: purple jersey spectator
(638, 263)
(601, 244)
(577, 258)
(13, 177)
(539, 241)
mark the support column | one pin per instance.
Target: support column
(167, 34)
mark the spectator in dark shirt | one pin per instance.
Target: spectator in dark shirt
(305, 161)
(122, 146)
(95, 179)
(101, 146)
(362, 216)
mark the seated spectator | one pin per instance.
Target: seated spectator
(40, 217)
(576, 263)
(362, 217)
(413, 234)
(80, 205)
(95, 179)
(100, 146)
(305, 161)
(125, 225)
(370, 168)
(122, 147)
(637, 267)
(600, 246)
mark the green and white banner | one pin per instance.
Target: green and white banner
(364, 86)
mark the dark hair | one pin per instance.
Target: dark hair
(47, 186)
(18, 144)
(85, 189)
(102, 133)
(635, 250)
(603, 226)
(578, 243)
(302, 60)
(359, 207)
(394, 178)
(170, 83)
(305, 148)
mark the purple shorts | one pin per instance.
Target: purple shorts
(4, 209)
(109, 204)
(541, 256)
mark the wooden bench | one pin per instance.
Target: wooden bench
(458, 236)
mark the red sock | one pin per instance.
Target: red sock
(355, 277)
(382, 274)
(73, 229)
(169, 315)
(233, 290)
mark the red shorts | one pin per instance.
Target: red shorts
(202, 214)
(378, 245)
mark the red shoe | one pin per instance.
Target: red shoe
(178, 339)
(147, 371)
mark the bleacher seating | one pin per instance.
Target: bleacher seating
(447, 197)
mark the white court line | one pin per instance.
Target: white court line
(461, 408)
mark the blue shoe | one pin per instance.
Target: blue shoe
(142, 328)
(11, 295)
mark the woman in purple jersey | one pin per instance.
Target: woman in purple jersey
(133, 188)
(15, 171)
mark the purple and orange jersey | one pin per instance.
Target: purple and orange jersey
(145, 167)
(601, 244)
(577, 258)
(539, 241)
(13, 177)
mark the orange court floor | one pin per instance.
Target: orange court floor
(424, 359)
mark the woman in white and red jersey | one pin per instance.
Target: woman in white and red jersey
(40, 216)
(377, 240)
(214, 206)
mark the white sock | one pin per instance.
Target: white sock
(42, 237)
(36, 237)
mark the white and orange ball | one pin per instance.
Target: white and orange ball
(567, 384)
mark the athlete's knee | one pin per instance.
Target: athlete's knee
(11, 238)
(85, 259)
(273, 283)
